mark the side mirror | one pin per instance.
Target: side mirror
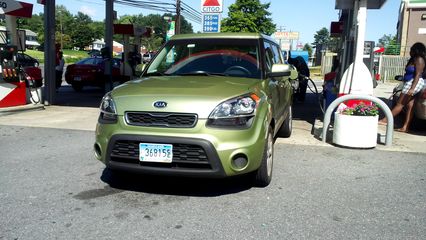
(399, 77)
(281, 70)
(139, 69)
(294, 74)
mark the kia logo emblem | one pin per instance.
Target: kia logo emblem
(160, 104)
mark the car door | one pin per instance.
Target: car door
(284, 82)
(276, 84)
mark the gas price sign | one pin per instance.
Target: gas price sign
(211, 23)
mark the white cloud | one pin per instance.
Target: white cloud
(88, 10)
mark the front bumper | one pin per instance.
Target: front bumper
(200, 151)
(192, 157)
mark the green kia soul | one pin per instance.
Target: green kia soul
(207, 105)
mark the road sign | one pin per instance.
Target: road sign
(287, 35)
(9, 6)
(211, 6)
(211, 23)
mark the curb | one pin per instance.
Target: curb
(17, 109)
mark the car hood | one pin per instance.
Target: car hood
(184, 94)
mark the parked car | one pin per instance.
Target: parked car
(26, 60)
(31, 69)
(94, 53)
(146, 57)
(90, 72)
(208, 105)
(420, 102)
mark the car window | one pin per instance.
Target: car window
(19, 57)
(97, 61)
(87, 61)
(239, 58)
(269, 56)
(26, 57)
(277, 54)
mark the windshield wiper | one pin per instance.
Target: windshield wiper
(200, 73)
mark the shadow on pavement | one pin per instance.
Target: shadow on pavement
(175, 185)
(88, 97)
(417, 126)
(308, 110)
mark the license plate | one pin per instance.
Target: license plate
(77, 78)
(150, 152)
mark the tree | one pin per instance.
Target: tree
(64, 22)
(82, 35)
(392, 47)
(385, 40)
(35, 23)
(66, 40)
(98, 29)
(308, 48)
(248, 16)
(323, 40)
(321, 37)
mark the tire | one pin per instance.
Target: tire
(263, 175)
(287, 126)
(77, 87)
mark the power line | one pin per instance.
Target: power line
(168, 7)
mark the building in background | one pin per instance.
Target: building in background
(27, 38)
(411, 27)
(31, 39)
(98, 44)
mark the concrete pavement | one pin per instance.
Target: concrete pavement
(304, 127)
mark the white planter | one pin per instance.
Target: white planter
(355, 131)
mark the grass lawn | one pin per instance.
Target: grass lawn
(70, 56)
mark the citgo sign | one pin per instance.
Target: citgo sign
(211, 6)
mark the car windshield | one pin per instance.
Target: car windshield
(228, 57)
(90, 61)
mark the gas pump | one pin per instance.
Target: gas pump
(131, 53)
(12, 89)
(14, 80)
(9, 67)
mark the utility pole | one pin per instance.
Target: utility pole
(280, 29)
(62, 30)
(177, 27)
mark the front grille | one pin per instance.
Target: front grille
(184, 155)
(157, 119)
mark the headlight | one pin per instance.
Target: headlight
(237, 112)
(108, 110)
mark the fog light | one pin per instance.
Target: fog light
(239, 161)
(97, 150)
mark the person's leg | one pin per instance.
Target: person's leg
(408, 116)
(58, 78)
(303, 84)
(402, 101)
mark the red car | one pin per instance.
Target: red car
(90, 72)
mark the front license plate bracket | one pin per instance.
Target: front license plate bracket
(154, 152)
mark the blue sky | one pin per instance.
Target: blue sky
(303, 16)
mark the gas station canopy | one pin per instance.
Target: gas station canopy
(349, 4)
